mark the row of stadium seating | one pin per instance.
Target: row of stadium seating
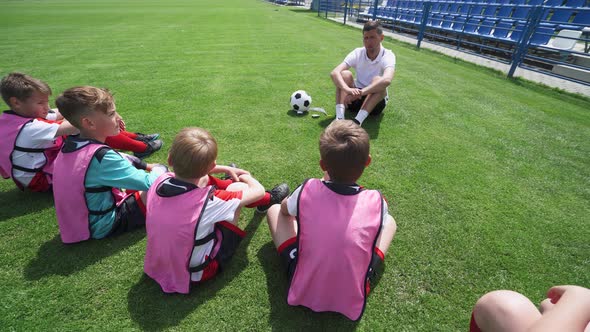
(501, 22)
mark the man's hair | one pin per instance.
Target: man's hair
(78, 102)
(193, 152)
(344, 149)
(372, 25)
(22, 87)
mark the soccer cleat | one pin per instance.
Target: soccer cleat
(277, 194)
(152, 147)
(147, 138)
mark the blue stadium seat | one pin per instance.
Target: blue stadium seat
(502, 29)
(561, 15)
(476, 10)
(535, 2)
(447, 22)
(490, 10)
(517, 32)
(464, 9)
(435, 21)
(505, 11)
(575, 3)
(453, 8)
(518, 2)
(471, 25)
(542, 36)
(521, 13)
(458, 23)
(581, 20)
(553, 3)
(486, 27)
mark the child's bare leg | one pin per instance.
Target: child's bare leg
(505, 310)
(282, 227)
(237, 186)
(387, 233)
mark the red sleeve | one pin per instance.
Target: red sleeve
(227, 195)
(49, 121)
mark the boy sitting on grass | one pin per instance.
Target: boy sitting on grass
(33, 133)
(332, 233)
(192, 217)
(87, 173)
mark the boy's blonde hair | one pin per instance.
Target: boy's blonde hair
(344, 149)
(78, 102)
(21, 86)
(193, 152)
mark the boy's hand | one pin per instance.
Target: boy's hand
(121, 125)
(555, 293)
(233, 172)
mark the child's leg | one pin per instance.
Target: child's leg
(124, 142)
(128, 134)
(387, 233)
(236, 186)
(219, 183)
(130, 214)
(282, 227)
(503, 310)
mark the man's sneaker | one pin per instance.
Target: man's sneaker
(356, 121)
(147, 138)
(277, 194)
(152, 147)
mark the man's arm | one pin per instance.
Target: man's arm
(380, 84)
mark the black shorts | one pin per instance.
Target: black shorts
(288, 252)
(129, 215)
(355, 106)
(231, 236)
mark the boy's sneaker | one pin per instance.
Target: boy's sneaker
(277, 194)
(152, 147)
(147, 138)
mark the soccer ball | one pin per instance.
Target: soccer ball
(300, 101)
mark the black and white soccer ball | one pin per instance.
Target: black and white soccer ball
(300, 101)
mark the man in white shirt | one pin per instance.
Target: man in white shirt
(374, 66)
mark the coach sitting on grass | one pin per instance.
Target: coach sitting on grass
(374, 66)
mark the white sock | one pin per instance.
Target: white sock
(339, 111)
(361, 116)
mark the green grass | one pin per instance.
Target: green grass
(487, 178)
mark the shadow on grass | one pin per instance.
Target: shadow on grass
(23, 202)
(284, 317)
(56, 258)
(155, 310)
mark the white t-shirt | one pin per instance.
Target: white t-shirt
(37, 134)
(367, 69)
(292, 204)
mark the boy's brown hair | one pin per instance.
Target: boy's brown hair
(344, 149)
(77, 102)
(193, 152)
(373, 25)
(21, 86)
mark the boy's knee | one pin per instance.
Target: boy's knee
(237, 186)
(273, 212)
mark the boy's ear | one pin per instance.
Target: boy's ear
(368, 161)
(87, 123)
(170, 161)
(14, 102)
(212, 166)
(322, 165)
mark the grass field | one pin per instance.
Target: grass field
(487, 178)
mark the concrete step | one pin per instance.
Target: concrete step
(582, 60)
(572, 72)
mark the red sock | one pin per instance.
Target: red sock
(128, 134)
(473, 325)
(124, 142)
(263, 201)
(219, 183)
